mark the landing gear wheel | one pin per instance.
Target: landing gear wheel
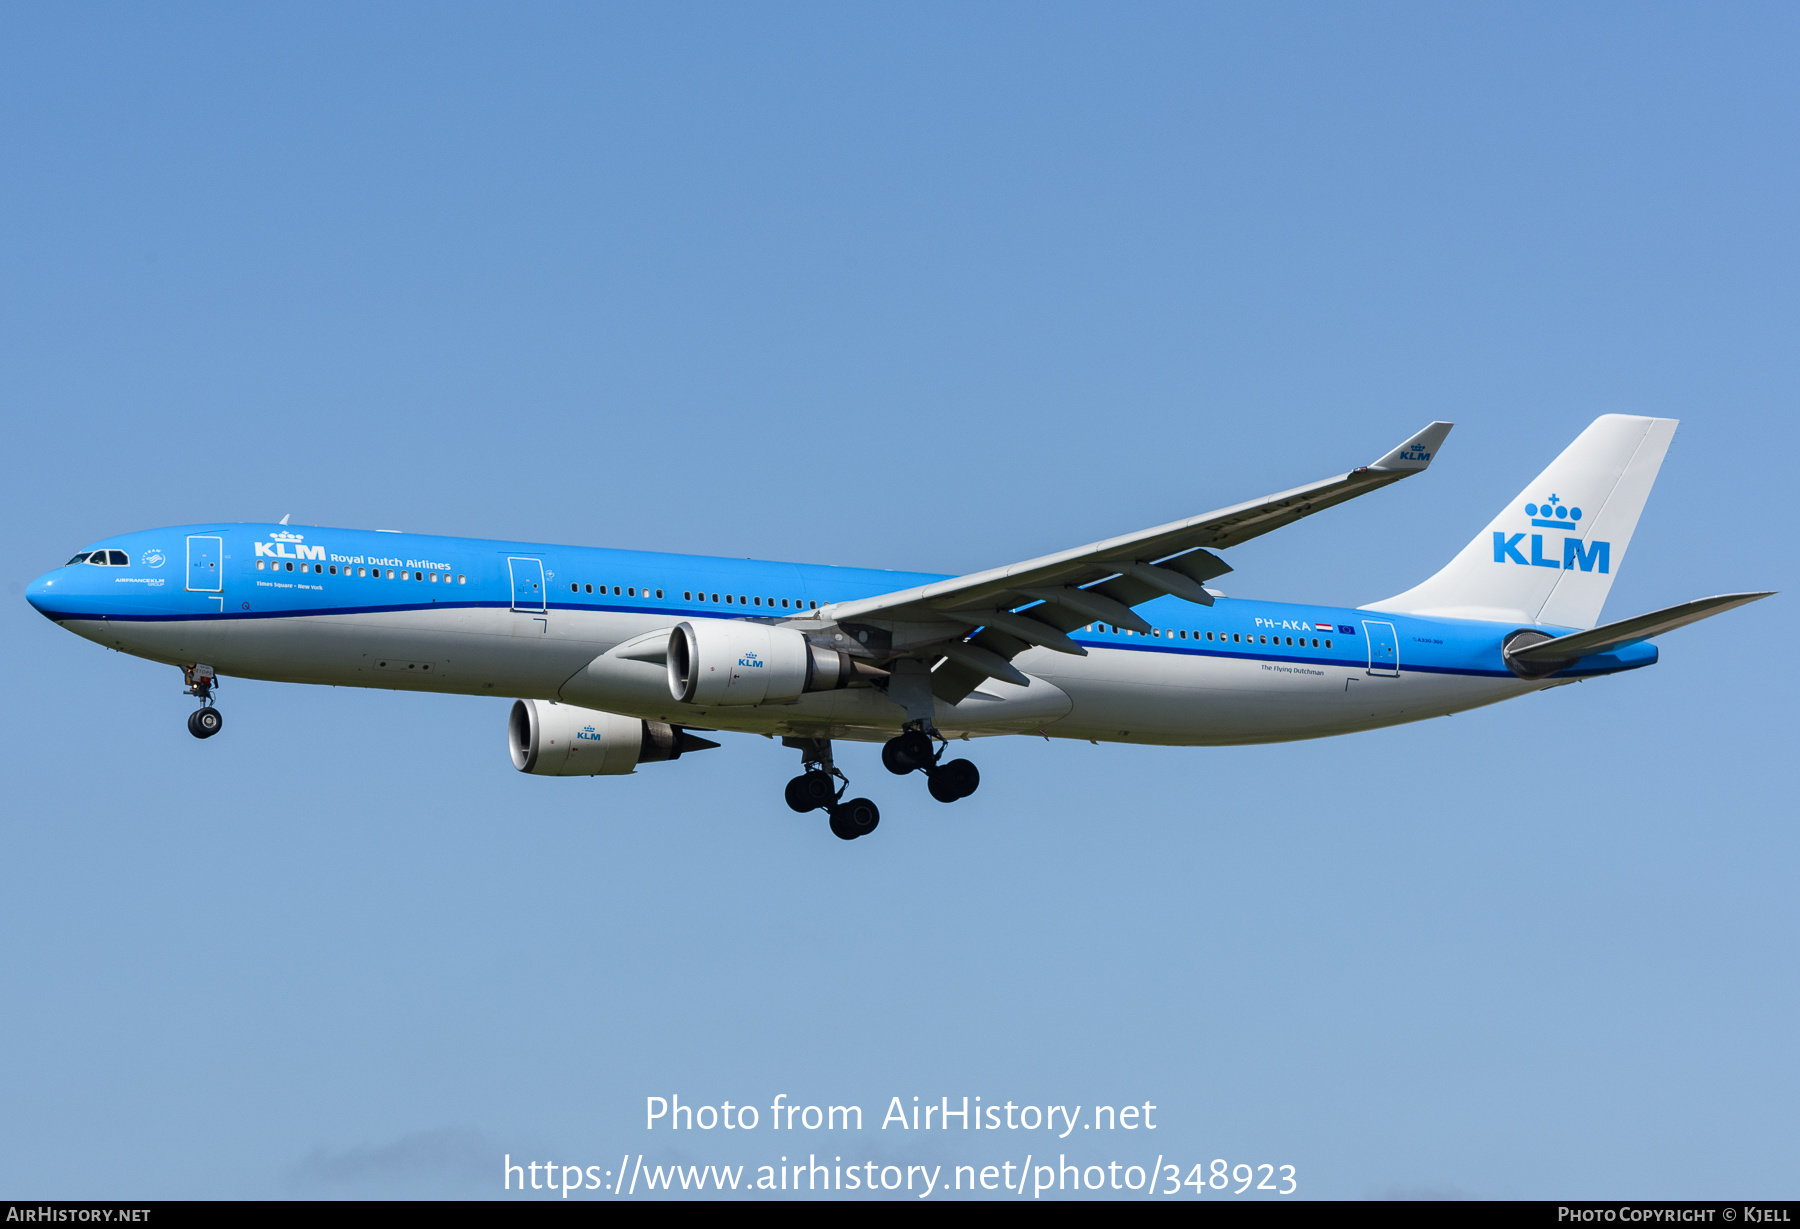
(855, 818)
(964, 775)
(907, 752)
(957, 779)
(205, 722)
(810, 790)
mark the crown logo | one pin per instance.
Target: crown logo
(1553, 514)
(282, 535)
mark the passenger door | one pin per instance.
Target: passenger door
(527, 584)
(1384, 649)
(205, 575)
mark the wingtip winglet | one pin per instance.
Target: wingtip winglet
(1416, 453)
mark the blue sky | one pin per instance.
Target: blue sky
(932, 288)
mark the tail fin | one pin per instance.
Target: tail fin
(1550, 557)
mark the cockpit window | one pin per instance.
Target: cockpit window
(103, 558)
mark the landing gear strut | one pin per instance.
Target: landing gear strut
(818, 787)
(911, 751)
(206, 720)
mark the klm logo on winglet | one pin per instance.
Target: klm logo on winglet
(278, 549)
(1554, 514)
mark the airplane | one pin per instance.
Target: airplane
(615, 658)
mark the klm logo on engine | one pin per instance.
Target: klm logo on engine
(1554, 514)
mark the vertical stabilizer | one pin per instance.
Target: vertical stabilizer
(1551, 556)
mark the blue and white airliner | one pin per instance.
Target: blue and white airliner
(616, 656)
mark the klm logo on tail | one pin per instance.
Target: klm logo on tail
(1554, 514)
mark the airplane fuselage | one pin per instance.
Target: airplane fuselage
(355, 608)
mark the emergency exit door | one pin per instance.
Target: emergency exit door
(527, 584)
(1384, 649)
(205, 574)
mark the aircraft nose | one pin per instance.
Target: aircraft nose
(42, 592)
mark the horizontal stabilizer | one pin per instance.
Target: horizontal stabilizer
(1630, 631)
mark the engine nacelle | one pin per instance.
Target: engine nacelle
(561, 740)
(720, 661)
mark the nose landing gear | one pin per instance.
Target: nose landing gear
(911, 751)
(206, 720)
(815, 789)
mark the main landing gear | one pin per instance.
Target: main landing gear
(911, 751)
(206, 720)
(817, 787)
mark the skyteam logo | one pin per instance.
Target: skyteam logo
(1553, 513)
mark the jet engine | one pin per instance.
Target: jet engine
(560, 740)
(719, 661)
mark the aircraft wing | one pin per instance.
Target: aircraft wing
(1037, 601)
